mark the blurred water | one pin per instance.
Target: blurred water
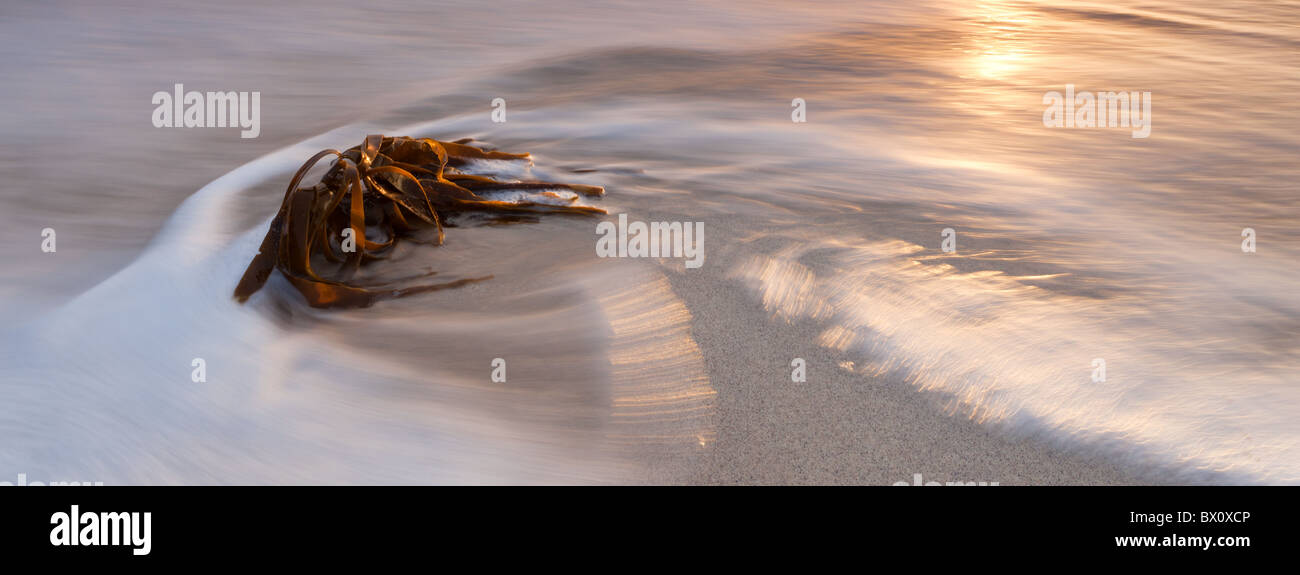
(1073, 244)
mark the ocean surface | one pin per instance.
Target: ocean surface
(1072, 244)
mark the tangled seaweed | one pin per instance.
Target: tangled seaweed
(394, 187)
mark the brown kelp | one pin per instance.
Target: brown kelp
(392, 187)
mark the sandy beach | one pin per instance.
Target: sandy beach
(823, 241)
(846, 428)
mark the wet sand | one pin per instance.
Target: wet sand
(841, 427)
(915, 125)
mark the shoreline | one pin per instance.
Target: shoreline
(853, 426)
(841, 428)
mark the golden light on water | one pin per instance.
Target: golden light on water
(1072, 243)
(998, 51)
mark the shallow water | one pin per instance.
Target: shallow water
(1072, 244)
